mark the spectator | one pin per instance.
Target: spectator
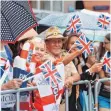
(9, 82)
(54, 42)
(83, 65)
(104, 96)
(73, 100)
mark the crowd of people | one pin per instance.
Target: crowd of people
(58, 48)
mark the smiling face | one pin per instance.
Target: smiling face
(40, 48)
(107, 44)
(71, 42)
(54, 46)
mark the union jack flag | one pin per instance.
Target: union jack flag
(83, 43)
(107, 62)
(74, 25)
(50, 73)
(103, 21)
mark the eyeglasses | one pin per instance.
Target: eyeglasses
(106, 42)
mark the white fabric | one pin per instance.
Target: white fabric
(45, 89)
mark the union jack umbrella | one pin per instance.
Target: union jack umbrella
(103, 21)
(107, 62)
(83, 43)
(74, 25)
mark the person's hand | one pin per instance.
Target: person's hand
(69, 82)
(75, 49)
(12, 84)
(30, 84)
(96, 67)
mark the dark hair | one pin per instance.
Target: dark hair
(65, 34)
(108, 36)
(16, 47)
(65, 45)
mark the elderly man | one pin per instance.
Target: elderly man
(54, 41)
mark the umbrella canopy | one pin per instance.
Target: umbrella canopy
(88, 19)
(41, 15)
(16, 19)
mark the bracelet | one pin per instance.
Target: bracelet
(88, 71)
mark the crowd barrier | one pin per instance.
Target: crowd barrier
(18, 94)
(66, 93)
(97, 85)
(89, 92)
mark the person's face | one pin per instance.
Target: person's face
(107, 44)
(54, 46)
(39, 50)
(71, 42)
(91, 59)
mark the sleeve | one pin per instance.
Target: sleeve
(85, 76)
(73, 68)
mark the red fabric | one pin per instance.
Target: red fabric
(37, 101)
(37, 104)
(40, 102)
(25, 106)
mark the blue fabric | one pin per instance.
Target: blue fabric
(2, 55)
(22, 74)
(84, 101)
(1, 70)
(9, 56)
(6, 54)
(104, 102)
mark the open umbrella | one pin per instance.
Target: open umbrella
(16, 19)
(88, 20)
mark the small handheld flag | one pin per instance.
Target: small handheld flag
(107, 62)
(103, 21)
(74, 25)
